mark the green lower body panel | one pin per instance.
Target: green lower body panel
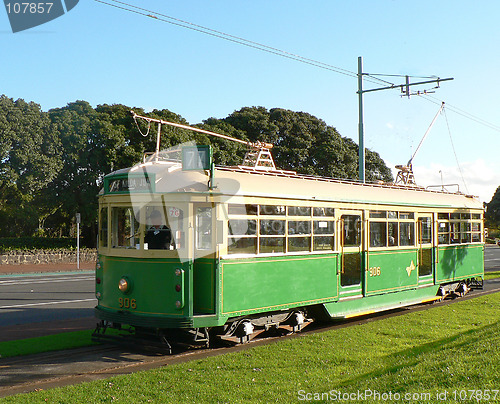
(277, 283)
(387, 301)
(390, 271)
(459, 262)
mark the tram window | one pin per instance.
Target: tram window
(324, 212)
(299, 211)
(299, 227)
(241, 227)
(351, 274)
(242, 245)
(454, 216)
(406, 215)
(476, 232)
(406, 234)
(476, 216)
(125, 228)
(425, 230)
(272, 245)
(272, 227)
(323, 227)
(242, 209)
(378, 234)
(444, 233)
(392, 232)
(465, 234)
(103, 233)
(164, 228)
(443, 216)
(455, 233)
(378, 214)
(352, 230)
(204, 228)
(392, 215)
(299, 244)
(278, 210)
(322, 243)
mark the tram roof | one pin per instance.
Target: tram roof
(169, 177)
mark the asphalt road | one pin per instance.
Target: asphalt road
(492, 258)
(27, 299)
(46, 297)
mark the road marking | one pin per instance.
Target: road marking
(56, 280)
(18, 306)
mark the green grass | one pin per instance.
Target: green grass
(67, 340)
(491, 275)
(443, 350)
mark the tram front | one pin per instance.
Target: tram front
(155, 244)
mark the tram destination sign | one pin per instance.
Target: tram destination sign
(129, 183)
(196, 157)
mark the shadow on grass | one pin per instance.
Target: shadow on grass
(440, 353)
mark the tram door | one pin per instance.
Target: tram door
(425, 250)
(351, 240)
(204, 258)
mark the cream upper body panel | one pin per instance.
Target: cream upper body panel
(169, 177)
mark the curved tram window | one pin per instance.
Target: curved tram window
(161, 227)
(103, 227)
(125, 228)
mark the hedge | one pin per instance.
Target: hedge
(36, 243)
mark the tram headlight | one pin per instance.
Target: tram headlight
(124, 285)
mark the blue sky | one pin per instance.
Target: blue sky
(102, 54)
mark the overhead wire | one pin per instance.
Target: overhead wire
(461, 112)
(369, 77)
(235, 39)
(454, 151)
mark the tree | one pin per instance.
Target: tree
(306, 144)
(30, 157)
(492, 215)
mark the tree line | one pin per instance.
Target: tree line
(52, 164)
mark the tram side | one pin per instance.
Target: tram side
(353, 260)
(277, 251)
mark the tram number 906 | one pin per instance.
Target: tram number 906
(126, 303)
(374, 271)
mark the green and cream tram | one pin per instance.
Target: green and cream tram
(245, 249)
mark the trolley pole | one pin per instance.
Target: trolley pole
(405, 90)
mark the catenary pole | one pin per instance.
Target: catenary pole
(361, 152)
(405, 88)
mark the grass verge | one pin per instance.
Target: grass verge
(67, 340)
(428, 356)
(491, 275)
